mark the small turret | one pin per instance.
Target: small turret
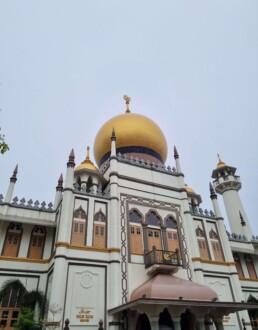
(194, 199)
(228, 184)
(176, 156)
(71, 159)
(13, 179)
(70, 171)
(212, 192)
(215, 203)
(59, 190)
(113, 143)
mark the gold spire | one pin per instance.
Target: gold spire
(127, 101)
(220, 163)
(87, 163)
(88, 153)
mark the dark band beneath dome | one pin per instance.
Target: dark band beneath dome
(133, 149)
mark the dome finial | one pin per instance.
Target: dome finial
(127, 101)
(220, 163)
(88, 153)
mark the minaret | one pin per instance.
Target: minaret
(113, 143)
(59, 190)
(221, 226)
(215, 203)
(176, 156)
(57, 295)
(13, 179)
(228, 184)
(115, 231)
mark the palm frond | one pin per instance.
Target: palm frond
(13, 284)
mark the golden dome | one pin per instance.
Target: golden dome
(220, 163)
(131, 130)
(189, 189)
(87, 163)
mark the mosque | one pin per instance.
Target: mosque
(126, 241)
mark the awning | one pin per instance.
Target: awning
(225, 307)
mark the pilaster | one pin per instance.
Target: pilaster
(65, 226)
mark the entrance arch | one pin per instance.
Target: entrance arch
(165, 321)
(188, 321)
(143, 322)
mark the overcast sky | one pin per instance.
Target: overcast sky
(191, 66)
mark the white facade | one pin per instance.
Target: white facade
(95, 247)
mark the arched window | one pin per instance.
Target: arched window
(216, 246)
(9, 312)
(12, 240)
(135, 216)
(143, 322)
(172, 234)
(99, 237)
(153, 231)
(250, 266)
(238, 265)
(89, 184)
(153, 219)
(79, 182)
(204, 253)
(78, 236)
(165, 321)
(37, 242)
(135, 227)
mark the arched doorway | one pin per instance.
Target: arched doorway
(143, 322)
(253, 313)
(165, 321)
(188, 321)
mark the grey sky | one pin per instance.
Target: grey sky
(191, 66)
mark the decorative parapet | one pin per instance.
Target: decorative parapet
(84, 190)
(29, 204)
(254, 239)
(237, 238)
(146, 164)
(203, 213)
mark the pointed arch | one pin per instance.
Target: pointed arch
(135, 231)
(79, 182)
(202, 243)
(165, 320)
(80, 213)
(172, 234)
(79, 229)
(238, 265)
(99, 230)
(89, 184)
(216, 246)
(37, 242)
(135, 216)
(153, 218)
(12, 240)
(154, 221)
(250, 266)
(143, 322)
(170, 222)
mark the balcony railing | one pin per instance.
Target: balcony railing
(162, 257)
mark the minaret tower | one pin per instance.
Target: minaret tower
(228, 184)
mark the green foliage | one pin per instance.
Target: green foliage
(26, 321)
(3, 145)
(16, 285)
(25, 299)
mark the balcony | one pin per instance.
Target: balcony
(162, 261)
